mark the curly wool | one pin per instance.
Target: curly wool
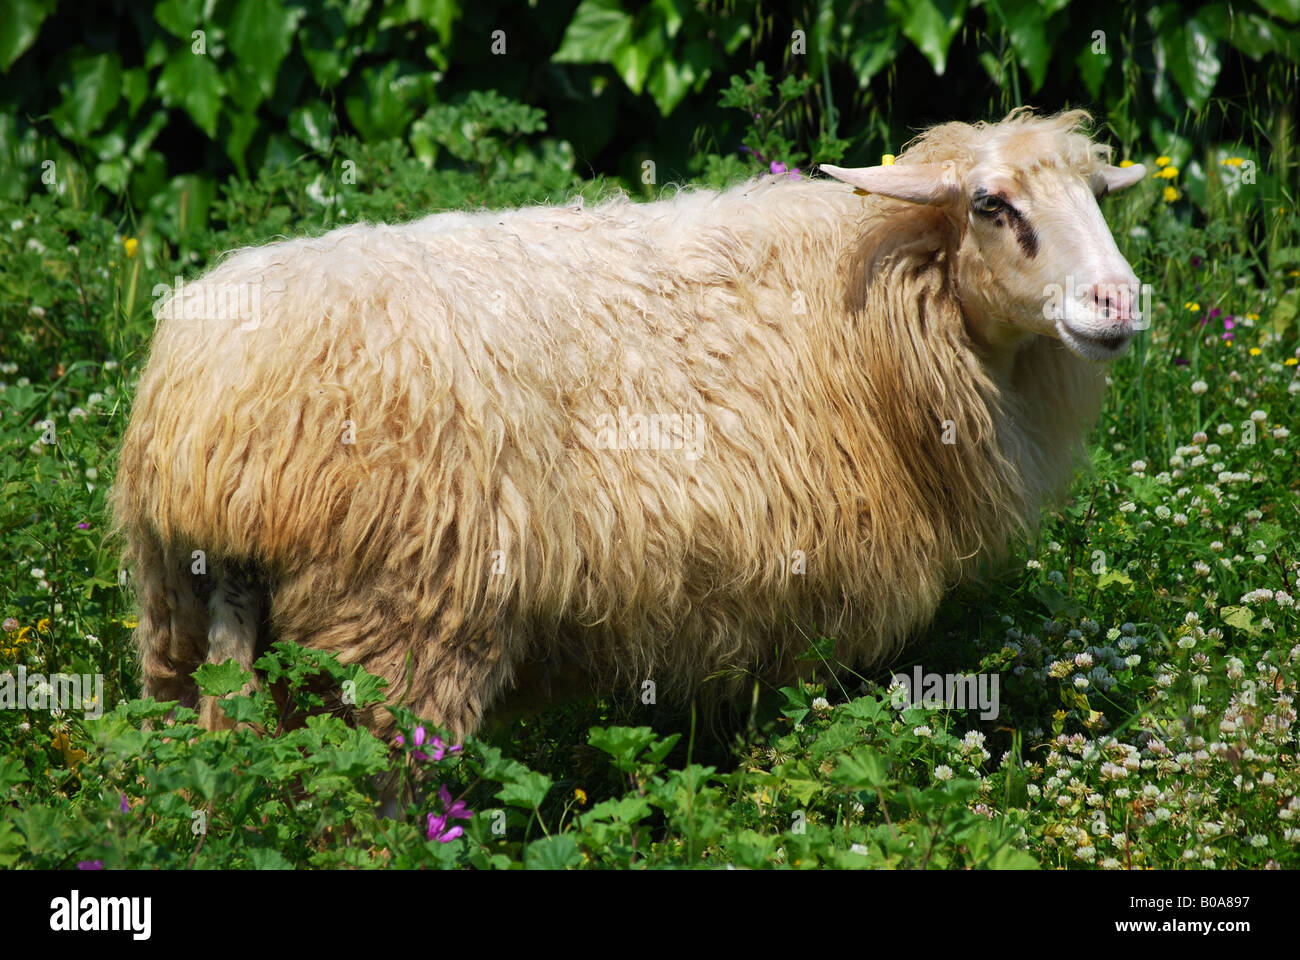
(410, 440)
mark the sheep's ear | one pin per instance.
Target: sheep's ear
(1117, 178)
(933, 183)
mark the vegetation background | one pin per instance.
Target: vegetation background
(1147, 636)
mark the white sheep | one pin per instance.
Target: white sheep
(494, 457)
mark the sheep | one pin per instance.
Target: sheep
(499, 458)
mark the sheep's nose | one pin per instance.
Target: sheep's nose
(1114, 300)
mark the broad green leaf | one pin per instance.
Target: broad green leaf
(598, 30)
(528, 791)
(864, 768)
(190, 80)
(219, 679)
(931, 25)
(633, 60)
(260, 34)
(310, 123)
(264, 858)
(1026, 23)
(93, 91)
(552, 853)
(1288, 10)
(1114, 576)
(19, 26)
(180, 18)
(1190, 54)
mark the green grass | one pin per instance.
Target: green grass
(1146, 639)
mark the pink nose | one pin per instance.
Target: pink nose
(1114, 301)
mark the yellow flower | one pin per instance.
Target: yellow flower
(1252, 316)
(130, 623)
(1171, 194)
(1290, 362)
(1227, 343)
(580, 795)
(1168, 173)
(43, 625)
(1255, 351)
(1233, 161)
(70, 755)
(1192, 306)
(1126, 163)
(22, 635)
(132, 245)
(1163, 161)
(887, 160)
(1293, 273)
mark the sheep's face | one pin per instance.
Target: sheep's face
(1036, 256)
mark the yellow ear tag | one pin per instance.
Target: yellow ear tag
(887, 160)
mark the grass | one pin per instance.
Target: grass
(1147, 640)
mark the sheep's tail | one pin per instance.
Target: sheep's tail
(235, 612)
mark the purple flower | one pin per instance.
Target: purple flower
(90, 865)
(794, 174)
(1229, 322)
(126, 807)
(778, 166)
(1182, 362)
(83, 526)
(1214, 314)
(454, 810)
(1196, 261)
(745, 149)
(438, 748)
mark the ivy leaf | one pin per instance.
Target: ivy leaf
(931, 25)
(20, 26)
(1190, 53)
(260, 35)
(598, 31)
(310, 123)
(94, 89)
(190, 80)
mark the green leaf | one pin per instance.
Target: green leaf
(552, 853)
(202, 777)
(260, 35)
(93, 91)
(1190, 53)
(180, 18)
(528, 791)
(264, 858)
(19, 27)
(190, 80)
(1114, 576)
(220, 679)
(1288, 10)
(862, 769)
(1026, 25)
(310, 123)
(599, 30)
(12, 772)
(931, 25)
(633, 60)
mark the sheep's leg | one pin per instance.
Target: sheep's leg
(234, 612)
(171, 636)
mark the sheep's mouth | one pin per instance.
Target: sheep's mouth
(1095, 346)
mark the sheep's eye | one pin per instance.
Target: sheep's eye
(986, 204)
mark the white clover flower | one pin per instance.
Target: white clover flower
(1191, 619)
(859, 849)
(821, 704)
(1127, 506)
(1138, 466)
(923, 731)
(1281, 433)
(1199, 710)
(1163, 512)
(1199, 387)
(943, 772)
(1080, 682)
(1223, 429)
(1259, 416)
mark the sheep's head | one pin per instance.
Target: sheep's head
(1035, 255)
